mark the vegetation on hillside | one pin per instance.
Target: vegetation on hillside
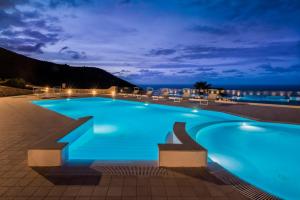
(41, 73)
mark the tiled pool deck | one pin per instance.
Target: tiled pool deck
(23, 124)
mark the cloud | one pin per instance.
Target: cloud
(278, 49)
(275, 12)
(125, 2)
(72, 54)
(27, 31)
(26, 40)
(5, 4)
(161, 52)
(210, 30)
(231, 71)
(68, 3)
(204, 69)
(270, 69)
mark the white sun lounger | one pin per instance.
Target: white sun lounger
(201, 101)
(176, 99)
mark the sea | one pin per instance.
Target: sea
(229, 87)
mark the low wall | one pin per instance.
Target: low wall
(53, 150)
(187, 153)
(11, 91)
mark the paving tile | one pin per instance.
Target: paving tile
(143, 181)
(158, 191)
(86, 191)
(42, 191)
(71, 191)
(100, 191)
(187, 192)
(82, 198)
(67, 198)
(143, 191)
(144, 198)
(159, 198)
(155, 182)
(129, 198)
(114, 191)
(3, 190)
(173, 191)
(130, 181)
(129, 191)
(113, 198)
(51, 198)
(170, 181)
(57, 191)
(13, 191)
(117, 181)
(216, 191)
(202, 192)
(97, 198)
(29, 191)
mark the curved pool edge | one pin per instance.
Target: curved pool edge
(247, 188)
(242, 186)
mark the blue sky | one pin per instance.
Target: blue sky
(162, 41)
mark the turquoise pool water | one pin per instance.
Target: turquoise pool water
(123, 130)
(266, 99)
(263, 154)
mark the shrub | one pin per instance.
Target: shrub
(15, 82)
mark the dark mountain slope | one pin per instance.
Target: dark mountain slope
(36, 72)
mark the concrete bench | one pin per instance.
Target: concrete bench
(187, 154)
(52, 151)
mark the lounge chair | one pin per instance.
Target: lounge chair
(124, 92)
(157, 95)
(135, 92)
(165, 92)
(176, 99)
(202, 101)
(186, 93)
(149, 92)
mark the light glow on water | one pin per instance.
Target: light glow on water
(248, 127)
(189, 115)
(105, 129)
(195, 110)
(263, 154)
(224, 160)
(140, 107)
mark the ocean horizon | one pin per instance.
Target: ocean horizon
(228, 87)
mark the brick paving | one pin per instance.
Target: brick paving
(23, 124)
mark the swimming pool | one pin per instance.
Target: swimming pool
(263, 154)
(126, 131)
(268, 99)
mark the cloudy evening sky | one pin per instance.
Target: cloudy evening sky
(162, 41)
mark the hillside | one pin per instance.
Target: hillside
(41, 73)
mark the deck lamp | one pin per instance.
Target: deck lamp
(113, 93)
(94, 92)
(69, 91)
(46, 89)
